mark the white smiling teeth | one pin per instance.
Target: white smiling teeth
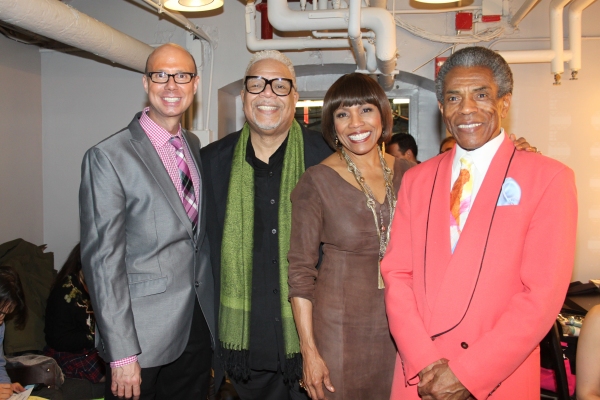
(469, 126)
(171, 99)
(359, 136)
(267, 108)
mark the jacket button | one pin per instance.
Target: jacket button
(196, 284)
(464, 345)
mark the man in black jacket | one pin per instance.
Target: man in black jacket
(250, 174)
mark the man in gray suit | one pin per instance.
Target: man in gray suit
(144, 248)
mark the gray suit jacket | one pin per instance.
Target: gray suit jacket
(142, 264)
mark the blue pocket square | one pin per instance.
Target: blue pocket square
(511, 193)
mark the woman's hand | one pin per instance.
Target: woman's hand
(522, 144)
(316, 374)
(314, 369)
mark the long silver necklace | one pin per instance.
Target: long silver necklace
(382, 231)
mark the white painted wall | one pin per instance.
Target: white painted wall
(21, 143)
(84, 101)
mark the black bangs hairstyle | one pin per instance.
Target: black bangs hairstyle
(350, 90)
(12, 295)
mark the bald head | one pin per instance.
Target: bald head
(168, 48)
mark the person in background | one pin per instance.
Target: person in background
(588, 357)
(483, 236)
(447, 144)
(70, 324)
(403, 145)
(12, 305)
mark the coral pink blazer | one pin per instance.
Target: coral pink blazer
(486, 306)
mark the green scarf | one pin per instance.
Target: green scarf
(237, 250)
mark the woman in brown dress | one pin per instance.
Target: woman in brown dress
(346, 204)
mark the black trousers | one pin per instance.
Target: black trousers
(268, 385)
(186, 378)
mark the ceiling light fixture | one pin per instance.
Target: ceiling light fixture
(192, 5)
(437, 1)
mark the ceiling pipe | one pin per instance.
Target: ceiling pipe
(523, 11)
(266, 29)
(319, 35)
(355, 34)
(532, 56)
(58, 21)
(575, 11)
(378, 20)
(304, 43)
(371, 59)
(379, 3)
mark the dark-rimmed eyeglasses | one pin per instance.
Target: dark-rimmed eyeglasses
(279, 86)
(163, 77)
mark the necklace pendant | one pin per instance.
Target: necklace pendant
(382, 228)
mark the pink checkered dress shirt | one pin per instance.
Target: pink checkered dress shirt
(159, 137)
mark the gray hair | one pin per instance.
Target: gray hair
(477, 57)
(271, 55)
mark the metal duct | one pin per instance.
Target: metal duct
(58, 21)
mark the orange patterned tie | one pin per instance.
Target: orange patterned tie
(460, 199)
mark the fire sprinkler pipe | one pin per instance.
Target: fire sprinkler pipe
(556, 35)
(575, 11)
(58, 21)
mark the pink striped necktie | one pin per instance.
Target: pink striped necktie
(189, 196)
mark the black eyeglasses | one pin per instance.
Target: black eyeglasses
(279, 86)
(163, 77)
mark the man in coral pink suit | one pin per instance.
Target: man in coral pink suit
(482, 249)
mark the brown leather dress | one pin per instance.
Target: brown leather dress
(349, 320)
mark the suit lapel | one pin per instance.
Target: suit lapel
(464, 267)
(147, 153)
(437, 252)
